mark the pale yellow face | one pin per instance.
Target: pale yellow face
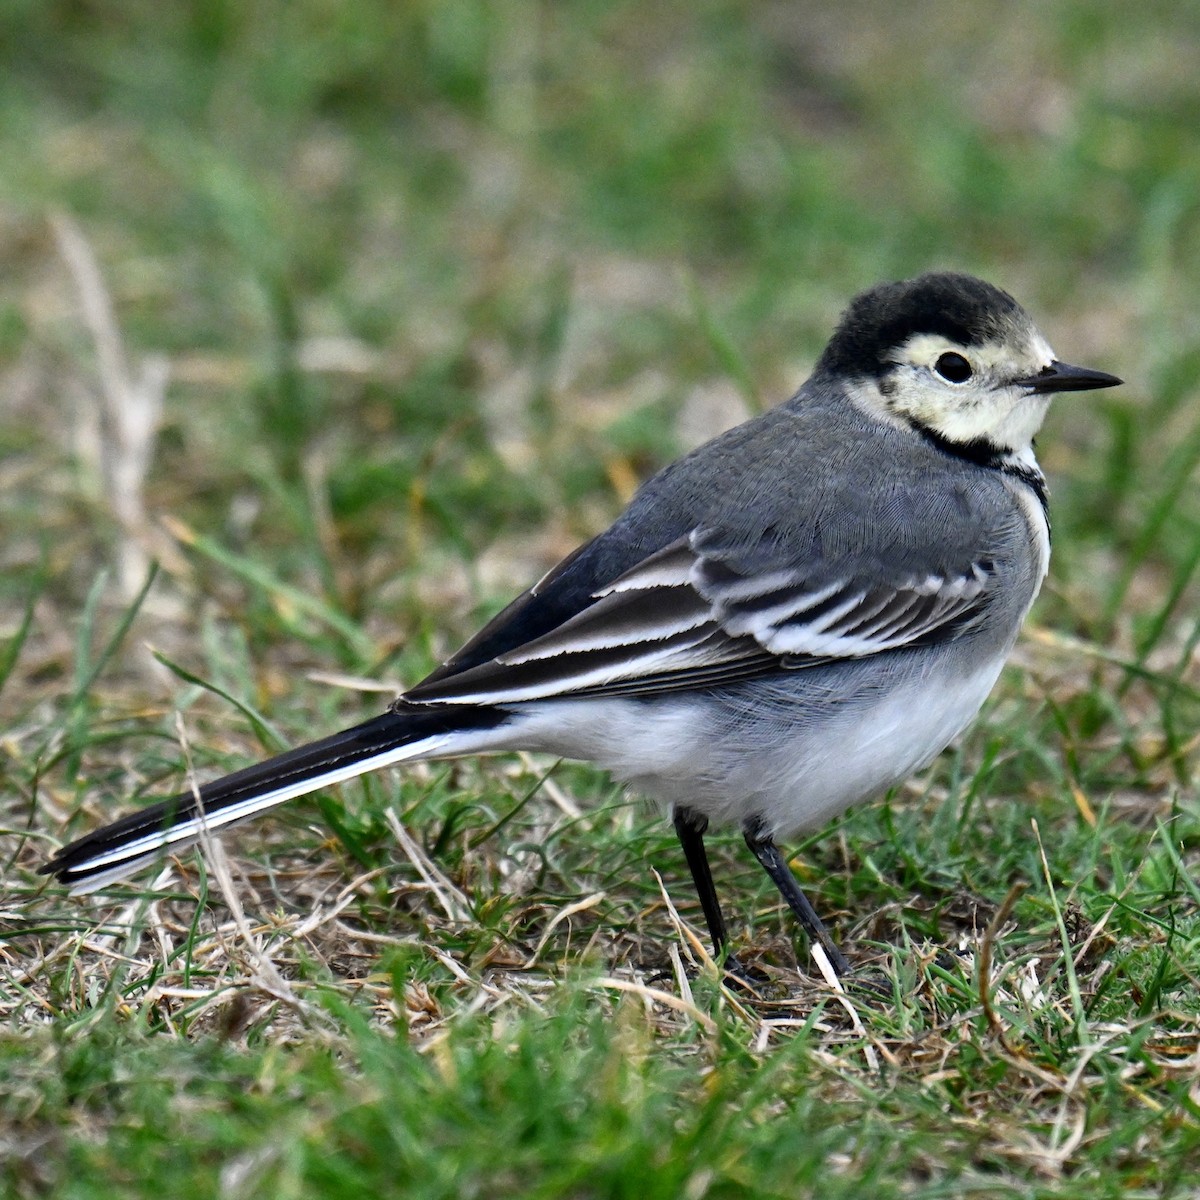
(967, 393)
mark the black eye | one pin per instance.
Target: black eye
(953, 367)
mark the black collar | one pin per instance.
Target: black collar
(987, 454)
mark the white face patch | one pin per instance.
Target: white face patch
(967, 393)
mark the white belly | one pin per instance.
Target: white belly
(790, 767)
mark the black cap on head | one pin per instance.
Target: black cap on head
(961, 308)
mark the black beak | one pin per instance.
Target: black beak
(1062, 377)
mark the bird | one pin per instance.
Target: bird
(790, 619)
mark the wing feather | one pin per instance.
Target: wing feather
(682, 618)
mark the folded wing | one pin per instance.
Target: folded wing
(685, 617)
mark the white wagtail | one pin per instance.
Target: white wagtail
(792, 618)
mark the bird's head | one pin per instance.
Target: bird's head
(954, 357)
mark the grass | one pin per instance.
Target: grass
(437, 284)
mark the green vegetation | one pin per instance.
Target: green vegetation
(437, 282)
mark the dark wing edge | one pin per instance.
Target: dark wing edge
(684, 619)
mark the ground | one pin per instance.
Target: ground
(324, 329)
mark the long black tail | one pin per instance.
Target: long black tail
(404, 733)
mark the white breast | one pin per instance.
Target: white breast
(787, 762)
(1039, 527)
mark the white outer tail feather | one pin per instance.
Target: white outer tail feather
(127, 859)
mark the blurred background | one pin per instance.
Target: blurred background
(356, 316)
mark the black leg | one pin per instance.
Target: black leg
(767, 853)
(690, 826)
